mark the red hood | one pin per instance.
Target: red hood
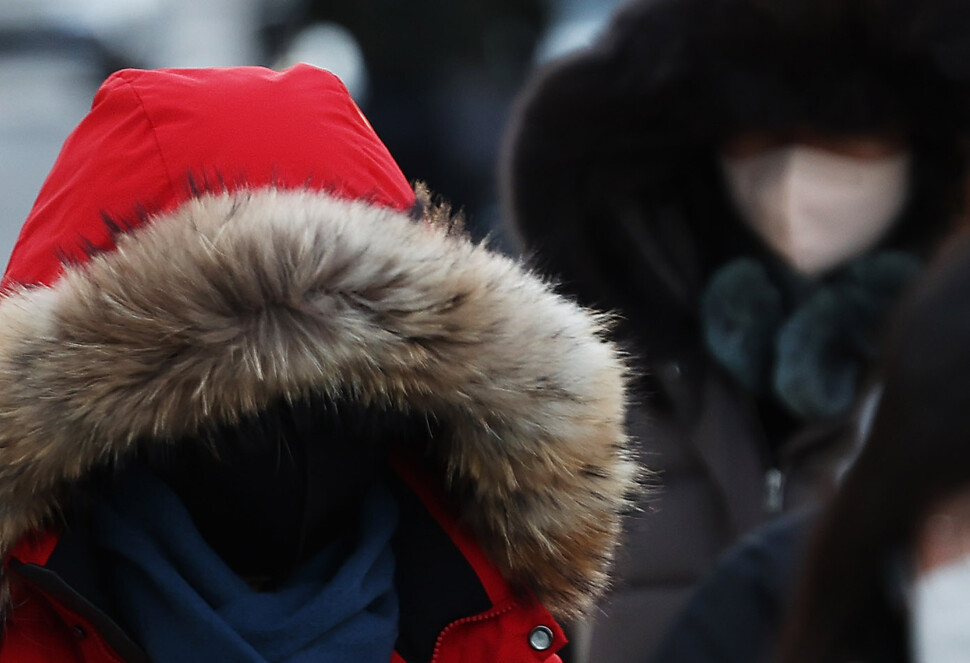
(207, 128)
(227, 303)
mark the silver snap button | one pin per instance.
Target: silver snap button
(540, 638)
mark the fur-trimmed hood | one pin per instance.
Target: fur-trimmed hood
(215, 305)
(610, 173)
(234, 301)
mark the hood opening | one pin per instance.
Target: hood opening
(271, 490)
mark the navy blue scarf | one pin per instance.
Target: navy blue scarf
(181, 602)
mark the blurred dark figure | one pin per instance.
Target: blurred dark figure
(888, 577)
(442, 77)
(48, 75)
(750, 184)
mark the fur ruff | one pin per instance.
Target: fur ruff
(232, 301)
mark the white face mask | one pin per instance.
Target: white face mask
(940, 614)
(817, 209)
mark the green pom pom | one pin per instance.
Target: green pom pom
(741, 311)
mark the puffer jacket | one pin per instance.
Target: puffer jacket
(212, 242)
(611, 180)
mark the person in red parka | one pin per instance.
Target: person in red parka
(260, 401)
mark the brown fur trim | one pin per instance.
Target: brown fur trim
(233, 301)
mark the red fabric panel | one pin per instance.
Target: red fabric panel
(34, 633)
(149, 131)
(433, 499)
(502, 634)
(36, 549)
(40, 630)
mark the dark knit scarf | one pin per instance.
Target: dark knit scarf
(806, 344)
(181, 602)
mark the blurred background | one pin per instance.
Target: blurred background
(435, 77)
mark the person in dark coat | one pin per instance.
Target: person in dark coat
(260, 400)
(887, 576)
(749, 185)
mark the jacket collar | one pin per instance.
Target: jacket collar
(430, 544)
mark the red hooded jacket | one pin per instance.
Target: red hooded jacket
(210, 241)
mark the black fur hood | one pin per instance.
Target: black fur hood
(609, 169)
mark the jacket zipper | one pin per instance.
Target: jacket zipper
(774, 491)
(494, 612)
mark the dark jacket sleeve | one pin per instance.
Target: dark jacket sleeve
(735, 614)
